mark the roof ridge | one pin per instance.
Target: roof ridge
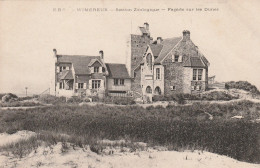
(79, 55)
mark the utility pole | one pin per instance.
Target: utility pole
(26, 91)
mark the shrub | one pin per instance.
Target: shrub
(74, 99)
(119, 100)
(244, 85)
(9, 96)
(49, 99)
(18, 104)
(159, 98)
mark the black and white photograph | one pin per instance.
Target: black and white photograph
(130, 84)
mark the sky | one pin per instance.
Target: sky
(29, 30)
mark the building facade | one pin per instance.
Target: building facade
(89, 76)
(167, 66)
(161, 67)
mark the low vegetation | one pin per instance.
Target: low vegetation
(244, 85)
(19, 104)
(209, 96)
(175, 127)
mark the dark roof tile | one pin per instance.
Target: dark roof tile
(117, 70)
(80, 63)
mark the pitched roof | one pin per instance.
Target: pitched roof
(194, 62)
(80, 63)
(117, 71)
(156, 49)
(67, 74)
(168, 45)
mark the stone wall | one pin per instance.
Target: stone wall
(138, 47)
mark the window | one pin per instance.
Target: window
(61, 85)
(158, 73)
(60, 68)
(173, 88)
(95, 84)
(194, 74)
(176, 58)
(115, 81)
(134, 74)
(96, 69)
(119, 81)
(80, 85)
(148, 89)
(197, 74)
(122, 81)
(157, 91)
(149, 61)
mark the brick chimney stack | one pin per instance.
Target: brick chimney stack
(159, 40)
(146, 25)
(55, 52)
(101, 54)
(186, 35)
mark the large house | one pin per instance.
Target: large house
(89, 76)
(166, 66)
(160, 67)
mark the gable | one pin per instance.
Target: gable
(80, 63)
(96, 64)
(117, 71)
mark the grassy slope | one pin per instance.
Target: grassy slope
(174, 127)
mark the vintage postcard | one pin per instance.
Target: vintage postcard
(116, 83)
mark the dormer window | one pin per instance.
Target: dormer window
(96, 69)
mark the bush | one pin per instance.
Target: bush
(9, 96)
(18, 104)
(244, 85)
(119, 100)
(49, 99)
(159, 98)
(74, 99)
(217, 95)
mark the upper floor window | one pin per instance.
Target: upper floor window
(200, 74)
(96, 69)
(158, 73)
(197, 74)
(96, 84)
(119, 81)
(194, 74)
(115, 81)
(176, 58)
(149, 61)
(80, 85)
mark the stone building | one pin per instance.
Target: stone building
(137, 44)
(161, 67)
(166, 66)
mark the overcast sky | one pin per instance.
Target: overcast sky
(229, 37)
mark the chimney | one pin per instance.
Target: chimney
(159, 40)
(146, 25)
(101, 54)
(55, 52)
(186, 35)
(151, 40)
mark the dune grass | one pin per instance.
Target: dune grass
(175, 127)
